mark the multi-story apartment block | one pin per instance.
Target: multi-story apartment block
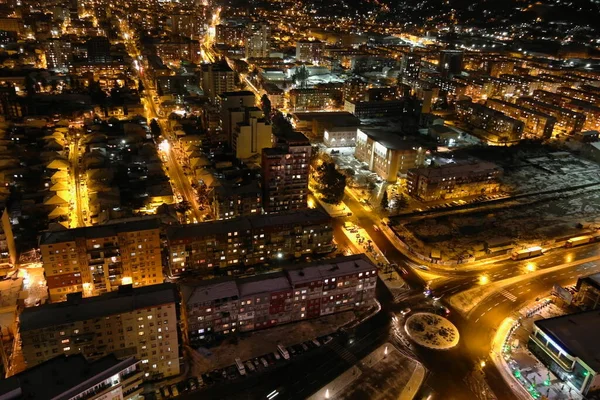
(76, 378)
(567, 121)
(230, 35)
(250, 136)
(355, 89)
(187, 24)
(589, 110)
(387, 154)
(235, 199)
(312, 99)
(248, 240)
(537, 124)
(285, 170)
(453, 180)
(239, 102)
(374, 109)
(258, 41)
(580, 94)
(310, 51)
(216, 79)
(490, 125)
(217, 308)
(450, 62)
(410, 66)
(8, 250)
(140, 322)
(59, 53)
(176, 50)
(97, 259)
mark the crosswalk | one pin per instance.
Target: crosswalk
(343, 353)
(508, 295)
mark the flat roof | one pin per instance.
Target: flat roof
(593, 280)
(99, 231)
(124, 300)
(63, 377)
(209, 290)
(455, 169)
(391, 140)
(267, 283)
(576, 334)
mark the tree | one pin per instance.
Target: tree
(401, 202)
(155, 128)
(331, 183)
(141, 86)
(281, 125)
(384, 200)
(300, 76)
(266, 106)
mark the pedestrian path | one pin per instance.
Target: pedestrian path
(343, 353)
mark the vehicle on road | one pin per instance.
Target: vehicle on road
(316, 342)
(264, 362)
(284, 353)
(174, 391)
(240, 366)
(376, 228)
(578, 241)
(423, 267)
(250, 366)
(527, 253)
(406, 311)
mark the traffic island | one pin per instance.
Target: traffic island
(432, 331)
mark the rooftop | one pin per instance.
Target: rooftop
(456, 169)
(389, 139)
(267, 283)
(99, 231)
(62, 377)
(126, 299)
(576, 334)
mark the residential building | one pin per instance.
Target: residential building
(59, 53)
(536, 124)
(216, 79)
(410, 68)
(221, 307)
(8, 250)
(567, 121)
(315, 124)
(140, 322)
(237, 101)
(589, 110)
(97, 259)
(251, 136)
(387, 154)
(98, 50)
(258, 41)
(580, 94)
(374, 109)
(450, 62)
(10, 107)
(232, 199)
(187, 24)
(312, 99)
(309, 51)
(340, 136)
(454, 180)
(174, 51)
(73, 377)
(230, 35)
(285, 170)
(355, 89)
(567, 346)
(490, 125)
(247, 240)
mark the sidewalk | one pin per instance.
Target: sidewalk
(527, 376)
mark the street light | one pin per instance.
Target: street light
(483, 279)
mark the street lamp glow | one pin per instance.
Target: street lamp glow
(530, 267)
(164, 146)
(482, 364)
(483, 279)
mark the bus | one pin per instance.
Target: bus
(527, 253)
(578, 241)
(284, 353)
(240, 366)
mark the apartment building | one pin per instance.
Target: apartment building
(410, 65)
(59, 53)
(257, 41)
(567, 121)
(233, 109)
(312, 99)
(248, 240)
(76, 378)
(8, 249)
(97, 259)
(217, 308)
(251, 135)
(235, 199)
(589, 110)
(374, 109)
(285, 170)
(230, 35)
(130, 322)
(310, 51)
(173, 51)
(537, 124)
(491, 125)
(216, 79)
(580, 94)
(387, 154)
(453, 180)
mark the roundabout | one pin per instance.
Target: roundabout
(432, 331)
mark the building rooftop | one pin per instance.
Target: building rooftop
(62, 377)
(391, 140)
(592, 280)
(336, 118)
(456, 169)
(126, 299)
(237, 93)
(576, 334)
(267, 283)
(99, 231)
(209, 290)
(241, 224)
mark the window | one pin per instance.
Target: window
(67, 348)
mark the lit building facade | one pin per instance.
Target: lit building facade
(140, 322)
(387, 154)
(310, 51)
(216, 79)
(537, 124)
(258, 41)
(567, 121)
(97, 259)
(248, 240)
(453, 181)
(491, 125)
(219, 308)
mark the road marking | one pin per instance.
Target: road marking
(477, 320)
(496, 305)
(508, 295)
(489, 309)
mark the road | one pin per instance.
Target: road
(178, 179)
(78, 198)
